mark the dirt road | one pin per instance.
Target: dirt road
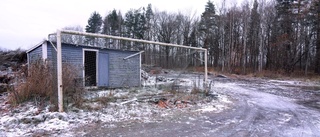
(261, 108)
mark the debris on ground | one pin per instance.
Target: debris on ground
(163, 104)
(10, 62)
(171, 103)
(144, 75)
(5, 78)
(221, 76)
(3, 87)
(107, 106)
(161, 79)
(13, 59)
(126, 105)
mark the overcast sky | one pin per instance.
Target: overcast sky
(25, 23)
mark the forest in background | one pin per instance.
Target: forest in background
(276, 35)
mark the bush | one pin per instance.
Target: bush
(37, 84)
(40, 84)
(73, 87)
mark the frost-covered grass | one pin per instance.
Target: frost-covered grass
(102, 106)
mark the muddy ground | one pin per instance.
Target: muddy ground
(260, 107)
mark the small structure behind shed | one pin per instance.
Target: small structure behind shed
(98, 67)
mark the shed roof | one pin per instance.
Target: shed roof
(84, 46)
(36, 46)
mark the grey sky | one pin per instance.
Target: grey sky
(24, 23)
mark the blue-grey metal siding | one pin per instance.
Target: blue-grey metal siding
(52, 62)
(51, 52)
(123, 73)
(113, 70)
(73, 55)
(35, 54)
(103, 69)
(51, 56)
(70, 54)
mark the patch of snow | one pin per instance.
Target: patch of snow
(192, 119)
(298, 132)
(224, 85)
(286, 82)
(27, 119)
(216, 106)
(224, 99)
(207, 121)
(54, 124)
(208, 109)
(262, 99)
(272, 101)
(286, 118)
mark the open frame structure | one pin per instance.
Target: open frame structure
(59, 55)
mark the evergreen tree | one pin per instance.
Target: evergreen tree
(208, 29)
(130, 23)
(135, 23)
(285, 16)
(315, 16)
(149, 17)
(141, 24)
(283, 35)
(112, 25)
(208, 18)
(94, 26)
(149, 13)
(253, 35)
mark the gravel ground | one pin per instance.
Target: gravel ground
(260, 107)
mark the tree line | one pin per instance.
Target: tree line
(278, 35)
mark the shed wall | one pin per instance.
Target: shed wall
(120, 72)
(124, 73)
(35, 54)
(103, 69)
(73, 55)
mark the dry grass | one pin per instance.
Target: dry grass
(40, 85)
(268, 74)
(282, 75)
(201, 69)
(73, 87)
(196, 91)
(98, 102)
(274, 74)
(105, 99)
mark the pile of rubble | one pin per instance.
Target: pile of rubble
(10, 62)
(5, 78)
(184, 100)
(174, 103)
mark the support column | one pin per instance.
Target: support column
(205, 68)
(59, 71)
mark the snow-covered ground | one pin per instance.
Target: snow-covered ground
(134, 104)
(261, 107)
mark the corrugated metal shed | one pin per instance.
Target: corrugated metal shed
(96, 66)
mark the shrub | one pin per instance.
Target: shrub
(73, 87)
(40, 84)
